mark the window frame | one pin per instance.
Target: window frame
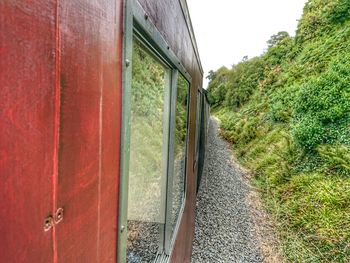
(138, 25)
(166, 131)
(198, 125)
(170, 237)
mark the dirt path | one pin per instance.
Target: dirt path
(231, 226)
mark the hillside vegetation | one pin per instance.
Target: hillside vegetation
(287, 114)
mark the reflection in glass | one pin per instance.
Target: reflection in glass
(180, 149)
(146, 174)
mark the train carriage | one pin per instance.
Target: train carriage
(103, 131)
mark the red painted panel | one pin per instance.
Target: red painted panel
(111, 119)
(89, 130)
(27, 111)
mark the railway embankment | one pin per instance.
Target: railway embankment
(286, 114)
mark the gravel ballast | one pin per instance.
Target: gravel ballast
(225, 230)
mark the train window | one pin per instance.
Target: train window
(156, 94)
(180, 150)
(198, 121)
(148, 163)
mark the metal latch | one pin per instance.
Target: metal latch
(50, 221)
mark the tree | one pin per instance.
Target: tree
(277, 39)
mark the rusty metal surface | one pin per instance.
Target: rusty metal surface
(168, 17)
(60, 115)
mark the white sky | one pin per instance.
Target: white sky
(228, 30)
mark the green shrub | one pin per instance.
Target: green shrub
(280, 104)
(322, 108)
(339, 11)
(279, 46)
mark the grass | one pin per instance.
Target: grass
(311, 207)
(313, 211)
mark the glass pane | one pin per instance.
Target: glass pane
(180, 149)
(146, 178)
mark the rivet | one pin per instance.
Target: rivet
(146, 16)
(122, 229)
(127, 62)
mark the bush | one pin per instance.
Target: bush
(322, 108)
(339, 11)
(280, 104)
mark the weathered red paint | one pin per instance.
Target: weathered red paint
(27, 111)
(89, 131)
(60, 115)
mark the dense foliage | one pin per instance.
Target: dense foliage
(287, 113)
(322, 107)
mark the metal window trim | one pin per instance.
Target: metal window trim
(136, 23)
(169, 200)
(125, 133)
(198, 118)
(167, 119)
(171, 237)
(170, 249)
(198, 121)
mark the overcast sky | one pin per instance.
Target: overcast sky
(228, 30)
